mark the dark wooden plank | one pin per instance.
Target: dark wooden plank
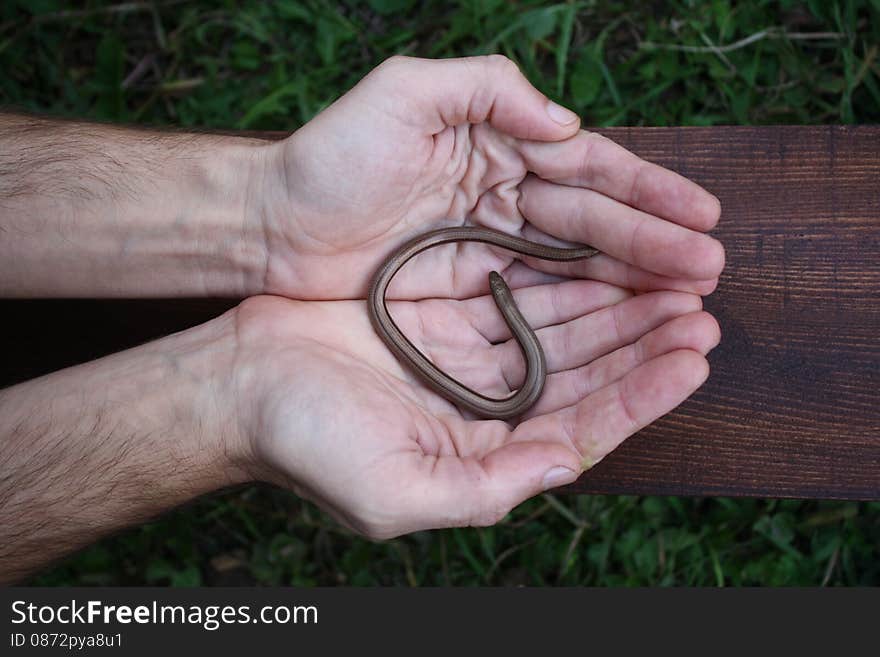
(792, 407)
(41, 336)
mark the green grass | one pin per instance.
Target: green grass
(274, 65)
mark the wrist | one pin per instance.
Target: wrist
(275, 210)
(274, 386)
(201, 401)
(224, 191)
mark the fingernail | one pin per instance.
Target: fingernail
(560, 114)
(558, 476)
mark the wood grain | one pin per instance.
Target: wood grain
(792, 407)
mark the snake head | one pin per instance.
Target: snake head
(497, 285)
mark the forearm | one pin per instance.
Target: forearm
(97, 447)
(102, 211)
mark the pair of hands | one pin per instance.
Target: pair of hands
(324, 408)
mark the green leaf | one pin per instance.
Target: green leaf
(388, 7)
(779, 531)
(109, 62)
(246, 55)
(331, 34)
(648, 70)
(585, 81)
(562, 49)
(294, 10)
(872, 87)
(467, 553)
(271, 104)
(540, 23)
(188, 577)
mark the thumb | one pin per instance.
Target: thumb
(436, 93)
(480, 492)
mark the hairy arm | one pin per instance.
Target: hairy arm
(101, 446)
(91, 210)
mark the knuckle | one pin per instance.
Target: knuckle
(395, 66)
(501, 64)
(590, 141)
(396, 61)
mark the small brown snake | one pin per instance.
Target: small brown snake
(443, 384)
